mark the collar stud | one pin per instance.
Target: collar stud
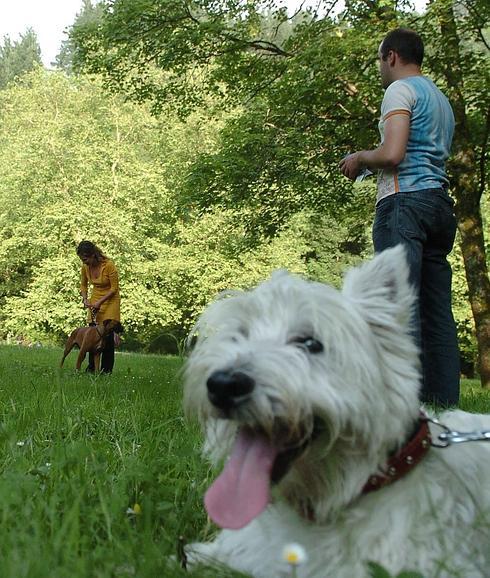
(405, 459)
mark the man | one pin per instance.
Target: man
(412, 205)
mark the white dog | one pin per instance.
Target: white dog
(312, 394)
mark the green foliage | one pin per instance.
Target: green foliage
(306, 84)
(79, 165)
(18, 57)
(464, 321)
(75, 165)
(89, 14)
(188, 34)
(279, 152)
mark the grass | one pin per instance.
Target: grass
(78, 451)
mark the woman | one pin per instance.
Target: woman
(104, 303)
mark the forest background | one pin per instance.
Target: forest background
(197, 143)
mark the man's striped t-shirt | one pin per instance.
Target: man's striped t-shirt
(430, 137)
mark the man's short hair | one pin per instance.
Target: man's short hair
(406, 43)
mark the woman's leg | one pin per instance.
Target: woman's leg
(91, 361)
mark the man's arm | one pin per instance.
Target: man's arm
(388, 155)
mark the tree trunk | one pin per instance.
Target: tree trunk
(467, 189)
(473, 249)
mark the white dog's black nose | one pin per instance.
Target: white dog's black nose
(226, 389)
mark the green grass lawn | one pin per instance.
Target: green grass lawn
(78, 451)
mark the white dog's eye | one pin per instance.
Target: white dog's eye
(311, 344)
(243, 331)
(240, 332)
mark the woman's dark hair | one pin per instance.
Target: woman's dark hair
(89, 249)
(406, 43)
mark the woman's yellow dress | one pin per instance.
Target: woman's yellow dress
(107, 280)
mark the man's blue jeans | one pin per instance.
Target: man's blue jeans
(424, 222)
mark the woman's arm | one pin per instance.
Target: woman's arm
(84, 287)
(98, 303)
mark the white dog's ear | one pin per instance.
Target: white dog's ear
(279, 274)
(381, 287)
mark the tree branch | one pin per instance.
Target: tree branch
(479, 27)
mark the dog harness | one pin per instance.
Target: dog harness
(102, 336)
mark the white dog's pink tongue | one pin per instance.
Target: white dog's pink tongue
(242, 491)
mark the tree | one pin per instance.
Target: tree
(79, 164)
(75, 165)
(89, 14)
(290, 130)
(18, 57)
(305, 98)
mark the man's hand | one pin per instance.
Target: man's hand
(350, 166)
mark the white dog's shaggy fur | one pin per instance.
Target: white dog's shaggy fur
(325, 383)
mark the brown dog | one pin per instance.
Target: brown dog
(91, 340)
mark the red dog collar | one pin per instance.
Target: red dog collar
(404, 460)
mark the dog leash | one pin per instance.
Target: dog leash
(449, 437)
(93, 316)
